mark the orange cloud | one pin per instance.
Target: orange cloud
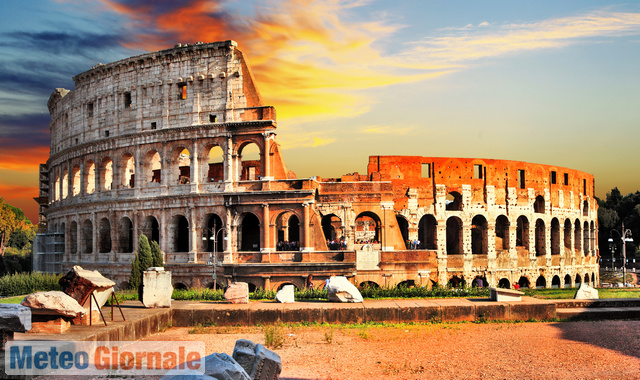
(23, 159)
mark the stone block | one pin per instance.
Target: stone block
(53, 303)
(237, 292)
(217, 366)
(532, 311)
(79, 283)
(15, 318)
(156, 288)
(87, 319)
(505, 295)
(339, 289)
(286, 294)
(259, 362)
(458, 313)
(585, 292)
(50, 326)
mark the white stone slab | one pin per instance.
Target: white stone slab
(505, 295)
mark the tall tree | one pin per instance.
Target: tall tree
(7, 224)
(156, 254)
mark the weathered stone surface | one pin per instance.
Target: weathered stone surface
(51, 326)
(217, 366)
(339, 289)
(286, 294)
(79, 283)
(237, 292)
(585, 292)
(16, 318)
(505, 295)
(259, 362)
(156, 288)
(53, 303)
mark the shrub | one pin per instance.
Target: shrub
(25, 283)
(274, 336)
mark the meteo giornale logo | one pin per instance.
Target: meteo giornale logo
(103, 358)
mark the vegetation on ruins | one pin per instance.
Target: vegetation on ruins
(16, 240)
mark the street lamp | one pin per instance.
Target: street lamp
(213, 258)
(625, 236)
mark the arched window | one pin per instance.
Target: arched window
(428, 232)
(87, 236)
(249, 233)
(504, 283)
(538, 205)
(104, 236)
(182, 164)
(567, 234)
(56, 188)
(251, 167)
(288, 232)
(524, 283)
(578, 280)
(127, 171)
(555, 282)
(153, 167)
(454, 236)
(454, 201)
(125, 235)
(577, 239)
(90, 177)
(403, 225)
(106, 175)
(541, 241)
(65, 184)
(213, 234)
(151, 229)
(73, 237)
(479, 236)
(555, 236)
(522, 232)
(585, 238)
(180, 232)
(585, 208)
(502, 233)
(215, 167)
(541, 282)
(367, 228)
(567, 281)
(75, 175)
(332, 229)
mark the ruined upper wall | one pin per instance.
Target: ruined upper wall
(183, 86)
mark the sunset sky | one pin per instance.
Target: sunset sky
(551, 82)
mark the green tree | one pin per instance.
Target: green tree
(8, 224)
(144, 254)
(136, 277)
(156, 254)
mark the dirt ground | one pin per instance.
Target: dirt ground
(568, 350)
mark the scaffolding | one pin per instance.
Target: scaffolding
(48, 252)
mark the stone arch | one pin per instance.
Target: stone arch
(288, 231)
(73, 237)
(406, 284)
(586, 246)
(127, 171)
(567, 234)
(125, 235)
(282, 285)
(367, 229)
(212, 234)
(249, 155)
(151, 229)
(479, 235)
(456, 281)
(522, 232)
(578, 280)
(585, 208)
(428, 231)
(586, 278)
(504, 283)
(104, 236)
(106, 174)
(180, 286)
(152, 167)
(63, 228)
(179, 229)
(180, 166)
(75, 179)
(555, 282)
(524, 282)
(502, 233)
(577, 233)
(555, 236)
(56, 187)
(403, 225)
(541, 282)
(541, 241)
(215, 164)
(454, 236)
(249, 232)
(453, 201)
(87, 237)
(90, 177)
(332, 229)
(369, 285)
(593, 237)
(567, 281)
(539, 205)
(65, 183)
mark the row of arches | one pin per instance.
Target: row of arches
(453, 202)
(111, 173)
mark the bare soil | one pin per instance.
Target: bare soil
(568, 350)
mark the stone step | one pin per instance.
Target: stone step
(598, 313)
(601, 303)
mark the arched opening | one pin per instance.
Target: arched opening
(63, 228)
(153, 167)
(524, 283)
(578, 280)
(182, 163)
(428, 231)
(522, 232)
(567, 281)
(151, 229)
(504, 283)
(288, 228)
(250, 162)
(555, 236)
(104, 236)
(65, 183)
(56, 188)
(403, 225)
(180, 230)
(106, 174)
(179, 286)
(502, 233)
(127, 171)
(125, 235)
(332, 229)
(538, 205)
(479, 236)
(456, 282)
(215, 171)
(285, 284)
(367, 228)
(406, 284)
(249, 233)
(75, 176)
(87, 236)
(577, 236)
(567, 234)
(592, 235)
(586, 279)
(541, 282)
(73, 237)
(454, 236)
(585, 208)
(213, 235)
(453, 201)
(89, 177)
(541, 241)
(593, 278)
(369, 285)
(586, 241)
(555, 282)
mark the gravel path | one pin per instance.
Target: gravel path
(569, 350)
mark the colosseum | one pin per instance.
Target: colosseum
(177, 145)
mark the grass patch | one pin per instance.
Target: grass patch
(17, 299)
(26, 283)
(274, 336)
(568, 293)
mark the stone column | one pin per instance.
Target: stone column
(228, 244)
(195, 166)
(266, 164)
(266, 232)
(491, 241)
(307, 234)
(193, 230)
(164, 234)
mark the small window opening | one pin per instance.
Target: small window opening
(477, 171)
(127, 100)
(153, 125)
(182, 87)
(553, 177)
(521, 179)
(76, 141)
(566, 179)
(90, 109)
(213, 118)
(426, 170)
(584, 186)
(106, 133)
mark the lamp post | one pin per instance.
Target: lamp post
(625, 236)
(213, 258)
